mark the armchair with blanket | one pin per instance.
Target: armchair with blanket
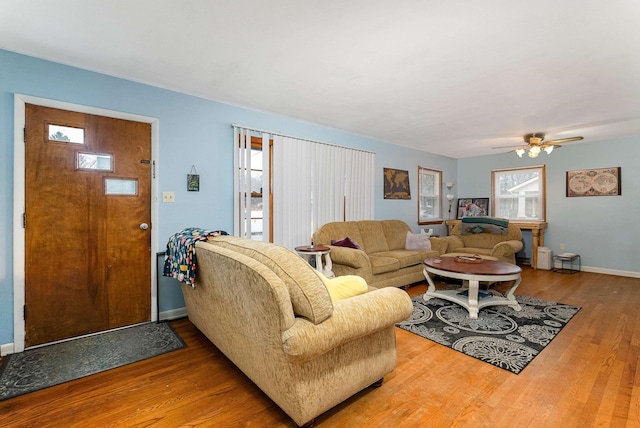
(485, 236)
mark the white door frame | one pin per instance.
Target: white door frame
(19, 202)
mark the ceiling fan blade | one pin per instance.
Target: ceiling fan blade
(564, 140)
(510, 147)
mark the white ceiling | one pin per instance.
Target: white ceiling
(452, 77)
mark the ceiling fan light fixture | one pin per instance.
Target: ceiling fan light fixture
(534, 144)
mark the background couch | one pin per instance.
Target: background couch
(270, 313)
(501, 246)
(383, 260)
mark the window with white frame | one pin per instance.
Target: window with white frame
(519, 194)
(430, 196)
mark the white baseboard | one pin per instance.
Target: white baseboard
(6, 349)
(604, 271)
(616, 272)
(173, 314)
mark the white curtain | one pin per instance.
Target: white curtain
(313, 183)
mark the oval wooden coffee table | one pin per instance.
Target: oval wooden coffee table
(472, 274)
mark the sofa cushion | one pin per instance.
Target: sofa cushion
(343, 287)
(381, 263)
(309, 297)
(395, 232)
(407, 257)
(373, 237)
(439, 244)
(415, 241)
(337, 230)
(346, 242)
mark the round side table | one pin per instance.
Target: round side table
(307, 251)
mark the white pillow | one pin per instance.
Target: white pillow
(417, 241)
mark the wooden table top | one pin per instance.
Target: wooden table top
(312, 248)
(485, 267)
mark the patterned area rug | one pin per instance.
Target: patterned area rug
(500, 336)
(51, 365)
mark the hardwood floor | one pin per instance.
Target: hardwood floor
(588, 376)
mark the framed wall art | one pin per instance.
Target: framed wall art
(396, 184)
(193, 180)
(594, 182)
(473, 207)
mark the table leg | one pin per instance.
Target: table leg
(512, 298)
(319, 262)
(328, 266)
(473, 298)
(432, 286)
(534, 243)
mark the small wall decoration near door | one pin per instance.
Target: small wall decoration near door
(473, 207)
(594, 182)
(193, 180)
(396, 184)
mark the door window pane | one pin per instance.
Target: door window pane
(120, 186)
(65, 134)
(94, 161)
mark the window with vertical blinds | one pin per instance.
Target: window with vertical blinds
(312, 183)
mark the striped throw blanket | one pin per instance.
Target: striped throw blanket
(475, 225)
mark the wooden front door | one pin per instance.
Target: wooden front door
(88, 252)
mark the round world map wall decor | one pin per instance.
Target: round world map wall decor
(594, 182)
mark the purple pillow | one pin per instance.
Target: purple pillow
(346, 242)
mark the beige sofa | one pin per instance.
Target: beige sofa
(501, 246)
(383, 260)
(270, 313)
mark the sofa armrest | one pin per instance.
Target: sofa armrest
(453, 243)
(349, 261)
(349, 257)
(506, 249)
(352, 318)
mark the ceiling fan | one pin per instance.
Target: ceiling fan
(534, 143)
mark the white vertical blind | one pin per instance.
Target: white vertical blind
(313, 183)
(359, 185)
(266, 188)
(242, 182)
(292, 183)
(328, 185)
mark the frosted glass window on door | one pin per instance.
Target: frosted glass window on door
(65, 134)
(94, 162)
(120, 186)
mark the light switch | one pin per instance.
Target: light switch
(168, 197)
